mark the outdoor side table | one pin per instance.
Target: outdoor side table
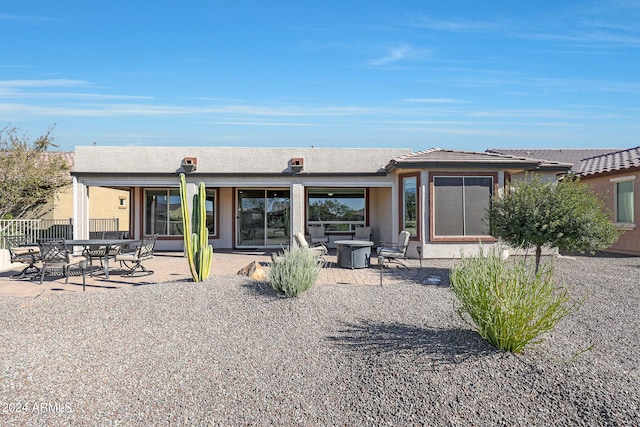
(354, 253)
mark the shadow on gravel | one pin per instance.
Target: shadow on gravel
(440, 345)
(438, 277)
(262, 289)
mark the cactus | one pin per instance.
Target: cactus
(196, 235)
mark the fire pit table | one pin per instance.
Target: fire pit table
(354, 253)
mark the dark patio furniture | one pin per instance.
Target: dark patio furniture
(362, 233)
(354, 253)
(396, 251)
(24, 250)
(107, 243)
(56, 256)
(133, 260)
(317, 234)
(100, 252)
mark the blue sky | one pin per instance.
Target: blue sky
(466, 75)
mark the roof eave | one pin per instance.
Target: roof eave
(462, 164)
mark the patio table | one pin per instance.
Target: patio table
(354, 253)
(107, 243)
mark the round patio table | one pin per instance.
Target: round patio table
(354, 253)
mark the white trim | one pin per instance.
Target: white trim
(626, 225)
(623, 178)
(615, 199)
(76, 212)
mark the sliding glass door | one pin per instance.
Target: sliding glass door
(263, 218)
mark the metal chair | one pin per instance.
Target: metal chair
(99, 252)
(24, 250)
(57, 257)
(133, 260)
(318, 247)
(317, 234)
(397, 251)
(362, 233)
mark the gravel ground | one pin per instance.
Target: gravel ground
(232, 352)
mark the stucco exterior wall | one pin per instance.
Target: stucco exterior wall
(629, 241)
(114, 160)
(103, 203)
(380, 218)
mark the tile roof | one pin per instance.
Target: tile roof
(562, 155)
(66, 155)
(617, 161)
(439, 157)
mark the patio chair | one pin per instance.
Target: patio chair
(99, 252)
(22, 249)
(133, 260)
(362, 233)
(318, 248)
(395, 252)
(56, 256)
(317, 234)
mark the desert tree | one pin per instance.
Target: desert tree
(31, 174)
(565, 214)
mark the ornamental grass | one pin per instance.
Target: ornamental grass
(509, 304)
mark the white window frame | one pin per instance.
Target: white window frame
(621, 180)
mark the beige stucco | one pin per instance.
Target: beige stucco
(103, 203)
(604, 186)
(231, 169)
(138, 169)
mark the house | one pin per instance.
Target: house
(613, 176)
(106, 203)
(573, 156)
(260, 197)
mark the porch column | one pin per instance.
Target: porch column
(297, 209)
(80, 210)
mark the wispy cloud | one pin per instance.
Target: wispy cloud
(43, 83)
(425, 21)
(277, 124)
(586, 38)
(433, 101)
(24, 18)
(394, 54)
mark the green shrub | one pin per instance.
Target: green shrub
(295, 271)
(510, 305)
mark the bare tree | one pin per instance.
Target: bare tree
(31, 175)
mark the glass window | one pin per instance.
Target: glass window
(339, 209)
(461, 204)
(410, 204)
(624, 202)
(163, 212)
(210, 206)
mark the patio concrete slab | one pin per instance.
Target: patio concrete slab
(172, 266)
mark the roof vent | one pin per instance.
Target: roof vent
(297, 164)
(189, 164)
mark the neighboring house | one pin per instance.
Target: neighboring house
(260, 197)
(105, 203)
(615, 178)
(573, 156)
(612, 174)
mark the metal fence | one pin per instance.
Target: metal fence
(52, 228)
